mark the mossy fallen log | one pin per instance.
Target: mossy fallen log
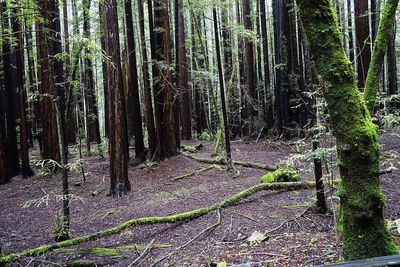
(192, 149)
(185, 216)
(109, 252)
(198, 171)
(221, 161)
(281, 175)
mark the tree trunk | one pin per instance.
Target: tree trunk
(10, 95)
(392, 70)
(182, 73)
(105, 71)
(92, 115)
(133, 103)
(249, 71)
(22, 96)
(47, 35)
(385, 31)
(164, 94)
(364, 230)
(151, 131)
(222, 91)
(118, 136)
(363, 41)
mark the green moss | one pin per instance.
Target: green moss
(281, 175)
(361, 199)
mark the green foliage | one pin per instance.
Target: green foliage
(59, 230)
(281, 175)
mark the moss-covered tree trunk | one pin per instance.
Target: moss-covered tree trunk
(364, 231)
(385, 31)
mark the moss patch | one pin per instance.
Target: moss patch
(281, 175)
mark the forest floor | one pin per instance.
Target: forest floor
(305, 240)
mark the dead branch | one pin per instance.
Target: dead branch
(195, 172)
(221, 161)
(185, 216)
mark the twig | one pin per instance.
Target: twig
(148, 247)
(191, 240)
(287, 221)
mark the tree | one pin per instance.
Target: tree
(133, 103)
(10, 98)
(166, 101)
(182, 74)
(92, 115)
(249, 70)
(363, 40)
(385, 31)
(222, 91)
(364, 230)
(49, 46)
(118, 134)
(22, 96)
(149, 114)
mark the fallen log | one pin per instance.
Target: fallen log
(185, 216)
(221, 161)
(198, 171)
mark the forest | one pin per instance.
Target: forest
(199, 133)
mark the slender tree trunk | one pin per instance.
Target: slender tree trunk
(133, 105)
(392, 69)
(267, 79)
(22, 96)
(363, 43)
(364, 230)
(182, 72)
(350, 29)
(151, 131)
(105, 72)
(118, 145)
(385, 31)
(222, 89)
(92, 115)
(249, 70)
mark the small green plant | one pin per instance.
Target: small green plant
(59, 231)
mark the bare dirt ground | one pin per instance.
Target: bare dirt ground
(302, 241)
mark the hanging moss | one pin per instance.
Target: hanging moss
(364, 232)
(281, 175)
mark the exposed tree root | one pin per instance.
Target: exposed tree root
(221, 161)
(198, 171)
(185, 216)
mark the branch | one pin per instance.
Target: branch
(185, 216)
(221, 161)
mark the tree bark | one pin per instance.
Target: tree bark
(385, 31)
(133, 103)
(182, 73)
(363, 41)
(151, 130)
(118, 136)
(364, 230)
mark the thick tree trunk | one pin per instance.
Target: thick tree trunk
(47, 35)
(364, 230)
(164, 94)
(10, 95)
(133, 103)
(105, 72)
(118, 136)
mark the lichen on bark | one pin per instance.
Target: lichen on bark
(364, 231)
